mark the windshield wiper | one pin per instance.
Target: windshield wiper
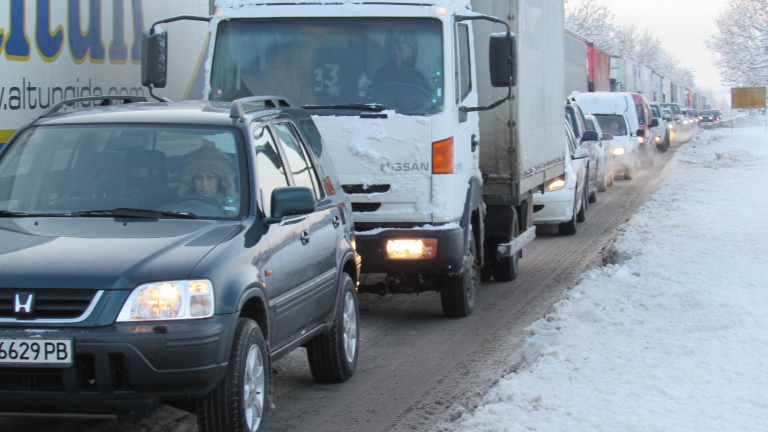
(136, 213)
(365, 107)
(6, 213)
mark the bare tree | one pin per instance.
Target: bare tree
(742, 42)
(591, 19)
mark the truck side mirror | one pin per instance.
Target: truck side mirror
(502, 53)
(655, 123)
(154, 58)
(640, 133)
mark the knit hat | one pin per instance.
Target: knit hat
(208, 159)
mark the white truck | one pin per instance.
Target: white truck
(442, 120)
(56, 50)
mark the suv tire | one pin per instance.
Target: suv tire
(240, 401)
(332, 356)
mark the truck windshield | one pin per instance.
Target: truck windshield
(57, 170)
(397, 63)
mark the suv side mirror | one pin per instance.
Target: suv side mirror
(607, 137)
(655, 123)
(502, 60)
(291, 201)
(154, 58)
(590, 135)
(668, 117)
(580, 153)
(640, 133)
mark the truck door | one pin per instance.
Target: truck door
(467, 137)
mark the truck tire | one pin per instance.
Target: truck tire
(332, 356)
(459, 291)
(240, 401)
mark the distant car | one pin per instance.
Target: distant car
(169, 253)
(718, 115)
(564, 199)
(662, 137)
(671, 125)
(605, 174)
(707, 116)
(574, 115)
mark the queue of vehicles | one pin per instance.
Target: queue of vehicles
(445, 127)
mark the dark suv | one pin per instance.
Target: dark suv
(167, 253)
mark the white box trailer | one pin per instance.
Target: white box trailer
(56, 50)
(576, 71)
(441, 165)
(625, 75)
(644, 84)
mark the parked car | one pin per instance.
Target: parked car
(662, 136)
(605, 174)
(707, 116)
(574, 115)
(170, 252)
(564, 199)
(617, 115)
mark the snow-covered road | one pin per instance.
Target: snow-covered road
(672, 336)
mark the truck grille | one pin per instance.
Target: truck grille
(353, 189)
(48, 303)
(365, 207)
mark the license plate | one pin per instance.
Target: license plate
(34, 351)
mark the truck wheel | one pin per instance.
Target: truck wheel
(332, 356)
(459, 291)
(239, 403)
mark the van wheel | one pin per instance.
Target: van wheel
(459, 291)
(240, 401)
(332, 356)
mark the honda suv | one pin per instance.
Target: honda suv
(168, 253)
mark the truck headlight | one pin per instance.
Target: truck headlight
(618, 151)
(411, 249)
(169, 300)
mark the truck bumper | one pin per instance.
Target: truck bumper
(120, 367)
(449, 258)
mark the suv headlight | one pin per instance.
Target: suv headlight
(169, 300)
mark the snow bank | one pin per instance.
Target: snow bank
(672, 335)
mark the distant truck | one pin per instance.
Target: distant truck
(440, 145)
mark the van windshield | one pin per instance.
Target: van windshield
(397, 63)
(99, 168)
(612, 124)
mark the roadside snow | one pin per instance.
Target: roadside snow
(672, 335)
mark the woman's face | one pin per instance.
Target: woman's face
(206, 183)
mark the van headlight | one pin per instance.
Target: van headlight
(169, 300)
(618, 151)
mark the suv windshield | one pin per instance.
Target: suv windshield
(397, 63)
(612, 124)
(76, 169)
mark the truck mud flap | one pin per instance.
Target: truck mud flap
(511, 248)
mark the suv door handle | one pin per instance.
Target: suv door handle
(304, 237)
(336, 222)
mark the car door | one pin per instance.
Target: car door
(324, 224)
(290, 284)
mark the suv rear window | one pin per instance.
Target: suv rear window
(65, 169)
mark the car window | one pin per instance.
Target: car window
(270, 172)
(655, 111)
(65, 169)
(640, 114)
(300, 164)
(570, 116)
(612, 124)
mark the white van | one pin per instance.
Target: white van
(625, 116)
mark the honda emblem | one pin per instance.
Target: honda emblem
(23, 303)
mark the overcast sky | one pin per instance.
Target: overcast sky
(683, 26)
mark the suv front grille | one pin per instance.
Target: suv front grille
(48, 303)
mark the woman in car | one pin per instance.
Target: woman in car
(208, 173)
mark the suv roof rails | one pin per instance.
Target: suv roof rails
(237, 110)
(105, 100)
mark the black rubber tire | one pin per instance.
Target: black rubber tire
(459, 291)
(585, 202)
(592, 197)
(581, 215)
(328, 354)
(224, 408)
(570, 227)
(506, 269)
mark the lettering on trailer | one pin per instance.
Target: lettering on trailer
(83, 44)
(29, 96)
(405, 166)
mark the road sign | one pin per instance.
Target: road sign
(747, 97)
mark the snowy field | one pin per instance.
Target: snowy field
(672, 335)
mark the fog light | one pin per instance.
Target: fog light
(618, 151)
(412, 249)
(658, 139)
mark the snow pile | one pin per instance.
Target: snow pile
(671, 336)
